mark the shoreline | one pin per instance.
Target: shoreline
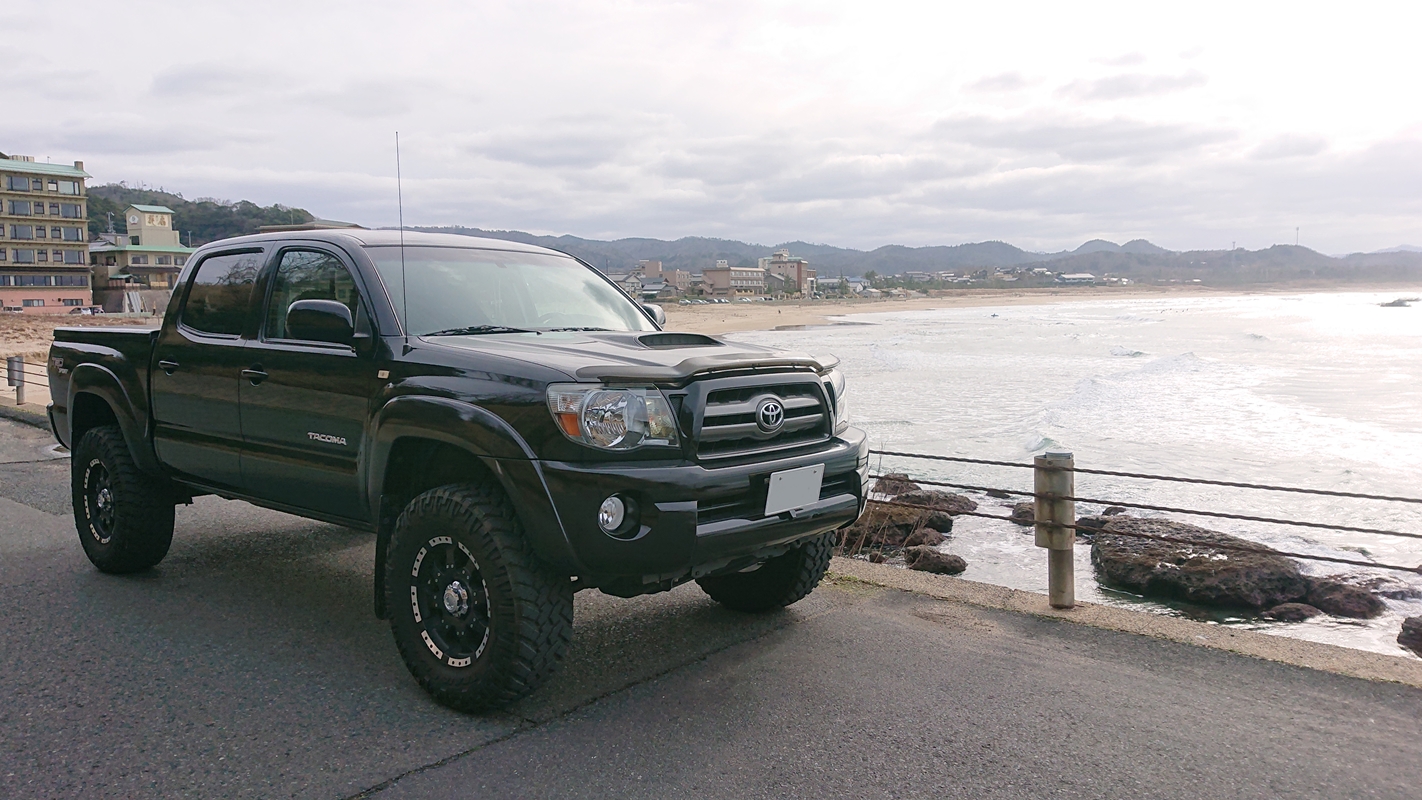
(737, 317)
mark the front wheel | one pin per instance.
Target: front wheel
(479, 622)
(779, 582)
(124, 516)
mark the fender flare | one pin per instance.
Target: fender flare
(487, 437)
(100, 381)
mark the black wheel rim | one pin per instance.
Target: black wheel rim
(450, 601)
(99, 502)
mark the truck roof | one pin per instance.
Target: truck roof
(361, 237)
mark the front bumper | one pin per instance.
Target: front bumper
(696, 520)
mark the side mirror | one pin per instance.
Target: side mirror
(320, 321)
(658, 315)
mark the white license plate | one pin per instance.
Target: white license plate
(793, 488)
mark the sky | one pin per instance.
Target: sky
(1194, 125)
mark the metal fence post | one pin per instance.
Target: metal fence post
(1053, 478)
(15, 376)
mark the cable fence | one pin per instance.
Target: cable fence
(1054, 512)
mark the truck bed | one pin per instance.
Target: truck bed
(122, 351)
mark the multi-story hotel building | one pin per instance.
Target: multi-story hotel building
(134, 272)
(44, 251)
(724, 280)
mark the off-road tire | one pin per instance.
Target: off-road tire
(124, 516)
(779, 582)
(527, 608)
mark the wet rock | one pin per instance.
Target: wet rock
(876, 557)
(884, 525)
(894, 484)
(1343, 600)
(1411, 636)
(1024, 514)
(1111, 511)
(926, 536)
(1291, 612)
(1383, 586)
(1193, 570)
(999, 494)
(928, 559)
(1087, 527)
(946, 501)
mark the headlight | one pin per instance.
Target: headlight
(834, 382)
(612, 419)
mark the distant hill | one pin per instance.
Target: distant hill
(203, 220)
(1137, 259)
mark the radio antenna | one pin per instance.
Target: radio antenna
(400, 205)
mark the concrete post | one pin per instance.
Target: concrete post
(1052, 479)
(15, 376)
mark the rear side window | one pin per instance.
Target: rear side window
(221, 290)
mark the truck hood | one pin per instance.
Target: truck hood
(656, 357)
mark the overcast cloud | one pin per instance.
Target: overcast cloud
(855, 124)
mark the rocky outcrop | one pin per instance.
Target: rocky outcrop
(1111, 511)
(944, 501)
(1024, 514)
(1411, 635)
(1291, 612)
(926, 536)
(1383, 586)
(928, 559)
(884, 525)
(895, 483)
(1342, 599)
(1193, 570)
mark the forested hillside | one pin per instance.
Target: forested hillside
(200, 221)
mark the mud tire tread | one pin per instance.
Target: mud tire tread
(782, 581)
(523, 655)
(143, 505)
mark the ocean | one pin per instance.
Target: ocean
(1318, 390)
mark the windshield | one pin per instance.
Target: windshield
(492, 291)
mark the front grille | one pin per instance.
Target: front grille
(728, 425)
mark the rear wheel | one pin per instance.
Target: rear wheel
(124, 516)
(779, 582)
(479, 622)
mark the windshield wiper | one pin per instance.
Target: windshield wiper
(577, 329)
(475, 330)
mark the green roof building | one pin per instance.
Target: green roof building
(135, 272)
(44, 265)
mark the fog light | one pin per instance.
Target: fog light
(612, 514)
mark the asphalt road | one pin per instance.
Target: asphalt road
(248, 665)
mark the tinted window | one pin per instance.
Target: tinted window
(221, 290)
(309, 275)
(455, 287)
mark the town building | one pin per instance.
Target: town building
(1077, 278)
(134, 272)
(725, 280)
(44, 224)
(796, 270)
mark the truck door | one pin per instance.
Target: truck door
(197, 361)
(304, 403)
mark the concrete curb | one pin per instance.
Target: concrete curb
(23, 415)
(1300, 653)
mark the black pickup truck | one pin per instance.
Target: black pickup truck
(511, 425)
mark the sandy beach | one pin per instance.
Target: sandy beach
(760, 316)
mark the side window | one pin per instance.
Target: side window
(221, 290)
(311, 275)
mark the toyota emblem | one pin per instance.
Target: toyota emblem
(770, 415)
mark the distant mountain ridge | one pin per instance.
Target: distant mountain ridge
(1137, 259)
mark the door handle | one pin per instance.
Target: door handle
(168, 366)
(255, 374)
